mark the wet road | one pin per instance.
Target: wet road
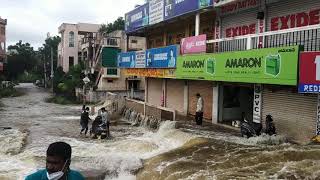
(168, 153)
(36, 124)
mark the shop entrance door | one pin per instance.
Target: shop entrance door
(234, 103)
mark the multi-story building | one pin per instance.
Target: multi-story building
(109, 77)
(69, 47)
(3, 57)
(246, 64)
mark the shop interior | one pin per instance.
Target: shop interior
(235, 103)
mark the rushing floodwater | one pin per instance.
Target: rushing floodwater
(168, 153)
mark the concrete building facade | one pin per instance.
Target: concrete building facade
(3, 56)
(68, 49)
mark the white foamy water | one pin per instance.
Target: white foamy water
(117, 157)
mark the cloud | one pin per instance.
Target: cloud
(30, 20)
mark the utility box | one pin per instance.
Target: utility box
(273, 63)
(210, 66)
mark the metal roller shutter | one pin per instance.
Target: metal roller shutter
(154, 91)
(205, 88)
(175, 96)
(294, 114)
(290, 7)
(242, 18)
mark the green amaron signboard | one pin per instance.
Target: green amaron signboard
(265, 66)
(109, 57)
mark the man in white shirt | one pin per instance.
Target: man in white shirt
(199, 111)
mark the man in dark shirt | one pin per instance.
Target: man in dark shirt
(84, 121)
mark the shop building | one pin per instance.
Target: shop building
(270, 27)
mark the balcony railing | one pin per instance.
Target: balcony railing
(308, 36)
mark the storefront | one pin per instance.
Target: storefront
(175, 94)
(239, 76)
(235, 102)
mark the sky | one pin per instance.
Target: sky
(31, 20)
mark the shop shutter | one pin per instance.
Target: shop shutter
(175, 94)
(154, 91)
(307, 38)
(205, 88)
(109, 57)
(294, 114)
(241, 18)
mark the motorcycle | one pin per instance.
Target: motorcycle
(251, 129)
(99, 129)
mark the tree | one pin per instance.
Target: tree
(22, 59)
(110, 27)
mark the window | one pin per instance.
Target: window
(71, 61)
(112, 72)
(110, 81)
(71, 39)
(134, 41)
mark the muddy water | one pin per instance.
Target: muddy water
(168, 153)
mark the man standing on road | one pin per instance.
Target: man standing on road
(57, 164)
(105, 119)
(199, 111)
(84, 121)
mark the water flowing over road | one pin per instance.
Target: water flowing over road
(141, 153)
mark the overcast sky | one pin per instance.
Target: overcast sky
(30, 20)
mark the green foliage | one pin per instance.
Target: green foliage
(9, 92)
(65, 83)
(22, 59)
(110, 27)
(62, 100)
(29, 77)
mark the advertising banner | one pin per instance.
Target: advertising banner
(140, 59)
(127, 60)
(264, 66)
(309, 81)
(165, 57)
(173, 8)
(195, 44)
(137, 18)
(157, 73)
(156, 12)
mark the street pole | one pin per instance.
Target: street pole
(45, 71)
(52, 69)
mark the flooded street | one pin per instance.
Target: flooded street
(167, 153)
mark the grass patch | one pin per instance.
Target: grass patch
(61, 100)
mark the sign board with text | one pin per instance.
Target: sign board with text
(164, 57)
(127, 60)
(156, 73)
(137, 18)
(195, 44)
(309, 81)
(156, 12)
(174, 8)
(264, 66)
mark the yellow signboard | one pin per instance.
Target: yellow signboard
(157, 73)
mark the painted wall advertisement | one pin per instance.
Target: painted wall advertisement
(156, 12)
(173, 8)
(195, 44)
(137, 18)
(157, 73)
(165, 57)
(264, 66)
(309, 81)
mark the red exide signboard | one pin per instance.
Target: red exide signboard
(309, 81)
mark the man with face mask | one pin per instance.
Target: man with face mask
(57, 164)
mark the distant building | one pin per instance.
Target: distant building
(69, 47)
(3, 57)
